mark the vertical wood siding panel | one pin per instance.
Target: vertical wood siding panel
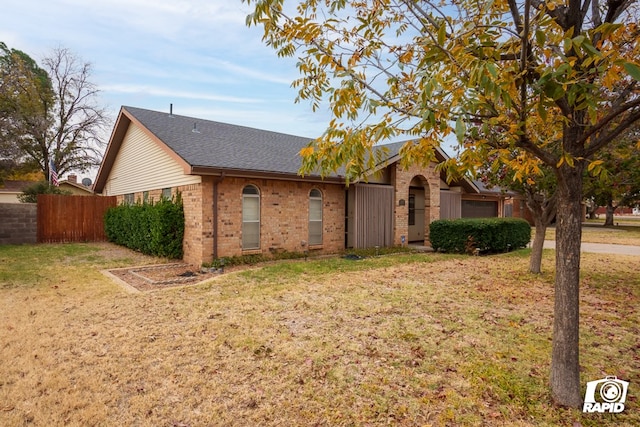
(450, 205)
(374, 215)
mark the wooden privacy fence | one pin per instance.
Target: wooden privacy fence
(72, 218)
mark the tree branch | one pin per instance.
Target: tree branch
(605, 138)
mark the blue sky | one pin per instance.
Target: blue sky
(196, 54)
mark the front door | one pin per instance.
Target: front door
(416, 214)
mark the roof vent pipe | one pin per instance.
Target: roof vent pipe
(170, 110)
(195, 128)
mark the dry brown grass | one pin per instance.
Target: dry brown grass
(624, 234)
(398, 340)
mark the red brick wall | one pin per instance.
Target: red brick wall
(284, 213)
(284, 216)
(197, 200)
(520, 209)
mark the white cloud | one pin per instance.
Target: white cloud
(197, 54)
(155, 91)
(256, 71)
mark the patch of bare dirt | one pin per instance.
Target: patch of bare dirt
(154, 277)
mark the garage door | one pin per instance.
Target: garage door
(479, 209)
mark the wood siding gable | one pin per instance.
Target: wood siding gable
(142, 165)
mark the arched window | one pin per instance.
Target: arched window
(250, 217)
(315, 217)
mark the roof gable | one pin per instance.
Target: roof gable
(209, 144)
(79, 187)
(393, 155)
(208, 147)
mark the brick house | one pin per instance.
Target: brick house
(242, 193)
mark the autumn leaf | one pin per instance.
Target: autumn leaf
(306, 151)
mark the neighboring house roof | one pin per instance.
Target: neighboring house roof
(495, 190)
(10, 190)
(10, 186)
(74, 187)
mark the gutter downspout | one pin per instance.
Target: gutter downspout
(216, 181)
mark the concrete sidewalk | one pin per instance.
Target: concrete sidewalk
(601, 248)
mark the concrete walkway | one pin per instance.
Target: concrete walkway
(601, 248)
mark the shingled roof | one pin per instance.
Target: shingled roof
(208, 147)
(209, 144)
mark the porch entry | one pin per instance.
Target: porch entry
(369, 216)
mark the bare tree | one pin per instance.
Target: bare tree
(74, 141)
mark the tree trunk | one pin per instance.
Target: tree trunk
(565, 363)
(608, 220)
(591, 209)
(543, 210)
(535, 262)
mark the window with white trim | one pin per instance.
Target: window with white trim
(315, 217)
(250, 217)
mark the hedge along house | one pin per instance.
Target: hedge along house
(242, 193)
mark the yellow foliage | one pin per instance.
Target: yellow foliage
(407, 56)
(26, 176)
(307, 151)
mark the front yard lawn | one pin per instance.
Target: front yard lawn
(627, 233)
(411, 339)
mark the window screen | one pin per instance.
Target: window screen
(315, 217)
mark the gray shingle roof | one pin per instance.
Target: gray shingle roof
(222, 145)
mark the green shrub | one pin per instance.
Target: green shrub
(30, 194)
(151, 228)
(472, 235)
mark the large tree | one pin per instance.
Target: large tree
(50, 114)
(429, 69)
(25, 89)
